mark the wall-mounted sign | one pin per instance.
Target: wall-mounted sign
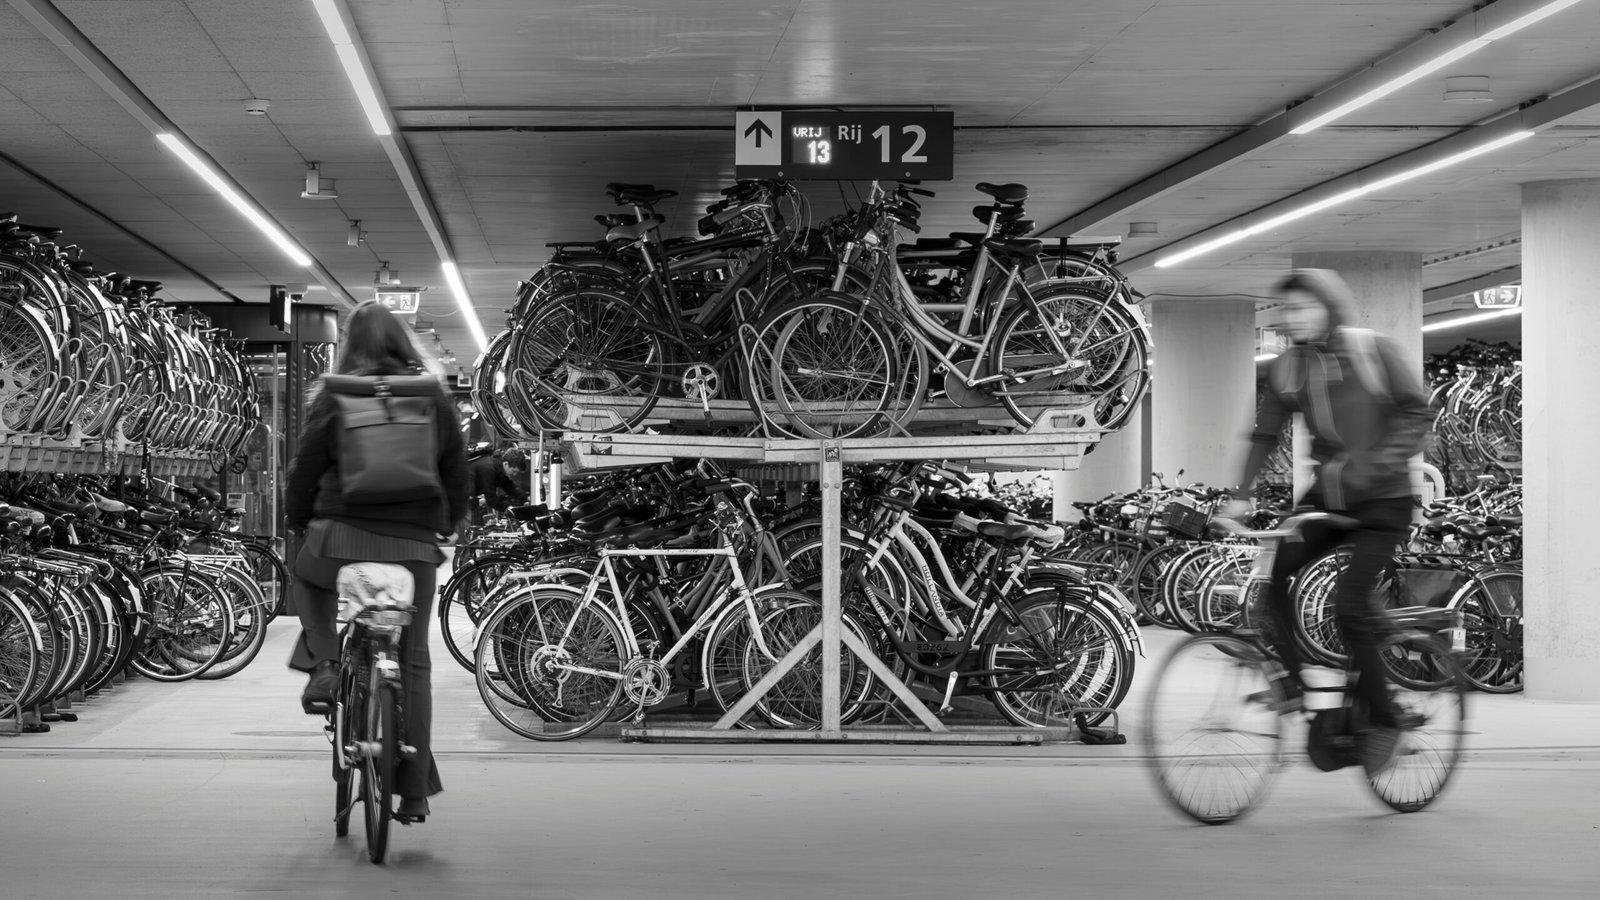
(1506, 296)
(403, 302)
(826, 145)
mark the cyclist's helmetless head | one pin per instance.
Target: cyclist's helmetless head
(1315, 302)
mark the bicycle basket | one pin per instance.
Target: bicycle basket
(1185, 520)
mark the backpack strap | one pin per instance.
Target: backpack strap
(1363, 346)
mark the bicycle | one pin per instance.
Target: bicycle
(366, 720)
(1217, 709)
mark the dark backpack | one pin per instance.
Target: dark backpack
(387, 437)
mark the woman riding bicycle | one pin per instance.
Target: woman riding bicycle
(337, 533)
(1368, 414)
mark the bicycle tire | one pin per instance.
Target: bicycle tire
(1213, 742)
(1114, 356)
(250, 625)
(833, 369)
(588, 345)
(515, 671)
(1493, 660)
(1092, 667)
(464, 599)
(377, 766)
(1430, 749)
(20, 649)
(795, 699)
(1145, 581)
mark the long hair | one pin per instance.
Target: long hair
(377, 342)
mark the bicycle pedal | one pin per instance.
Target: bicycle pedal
(410, 820)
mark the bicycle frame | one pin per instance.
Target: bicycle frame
(737, 591)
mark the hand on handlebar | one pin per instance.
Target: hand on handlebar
(1236, 509)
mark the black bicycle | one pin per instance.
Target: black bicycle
(1216, 711)
(366, 722)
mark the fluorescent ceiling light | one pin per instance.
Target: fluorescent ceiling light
(343, 42)
(1266, 356)
(1471, 320)
(1341, 197)
(245, 207)
(1390, 86)
(452, 275)
(1434, 65)
(1521, 22)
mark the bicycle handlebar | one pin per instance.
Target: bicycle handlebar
(1288, 527)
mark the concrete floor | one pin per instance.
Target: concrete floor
(216, 789)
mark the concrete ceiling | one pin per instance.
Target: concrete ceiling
(518, 112)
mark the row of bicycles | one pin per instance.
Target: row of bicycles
(96, 356)
(851, 327)
(1184, 570)
(690, 583)
(104, 577)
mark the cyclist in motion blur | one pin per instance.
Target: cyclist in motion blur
(1367, 413)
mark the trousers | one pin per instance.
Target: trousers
(316, 580)
(1359, 613)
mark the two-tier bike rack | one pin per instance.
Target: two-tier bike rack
(1058, 441)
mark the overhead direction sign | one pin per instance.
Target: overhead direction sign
(831, 145)
(757, 139)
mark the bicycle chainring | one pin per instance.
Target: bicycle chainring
(701, 382)
(646, 681)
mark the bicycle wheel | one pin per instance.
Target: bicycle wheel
(1213, 741)
(592, 351)
(1146, 581)
(1491, 613)
(19, 654)
(1096, 344)
(380, 751)
(466, 597)
(250, 617)
(1434, 715)
(795, 699)
(270, 575)
(528, 661)
(833, 370)
(191, 624)
(1062, 655)
(349, 707)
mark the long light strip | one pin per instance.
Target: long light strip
(354, 71)
(211, 177)
(1434, 65)
(1261, 358)
(452, 276)
(1341, 197)
(1471, 320)
(1390, 86)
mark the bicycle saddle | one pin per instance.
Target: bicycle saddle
(638, 194)
(629, 233)
(1005, 193)
(529, 512)
(108, 505)
(156, 516)
(1003, 214)
(1008, 533)
(1022, 248)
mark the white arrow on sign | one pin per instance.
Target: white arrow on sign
(757, 138)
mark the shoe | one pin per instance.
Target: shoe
(317, 699)
(1378, 748)
(414, 808)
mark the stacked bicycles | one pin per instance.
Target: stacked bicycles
(95, 356)
(847, 329)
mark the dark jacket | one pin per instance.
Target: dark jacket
(1362, 436)
(490, 481)
(313, 490)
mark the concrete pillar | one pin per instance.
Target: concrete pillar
(1387, 285)
(1559, 271)
(1203, 388)
(1116, 465)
